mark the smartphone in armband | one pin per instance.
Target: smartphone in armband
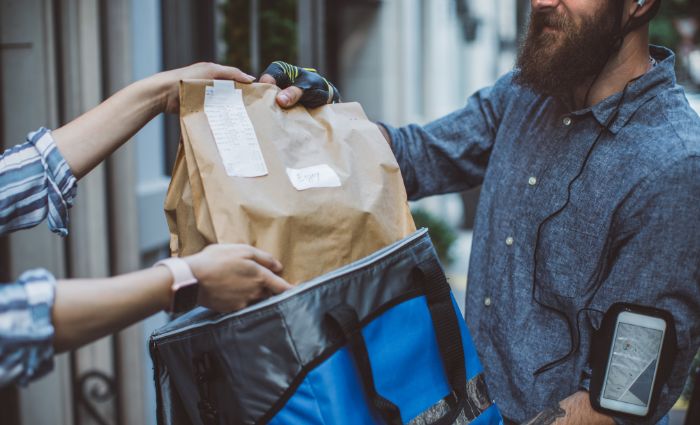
(631, 357)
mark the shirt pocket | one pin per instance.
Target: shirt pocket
(570, 251)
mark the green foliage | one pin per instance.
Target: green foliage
(662, 33)
(278, 32)
(441, 233)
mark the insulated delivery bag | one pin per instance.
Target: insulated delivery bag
(378, 341)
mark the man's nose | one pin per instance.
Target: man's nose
(541, 5)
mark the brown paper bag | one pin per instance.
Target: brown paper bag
(310, 231)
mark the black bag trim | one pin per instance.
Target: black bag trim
(345, 318)
(418, 239)
(446, 325)
(160, 415)
(205, 369)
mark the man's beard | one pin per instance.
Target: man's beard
(555, 63)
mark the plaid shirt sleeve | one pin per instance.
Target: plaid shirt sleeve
(26, 332)
(35, 183)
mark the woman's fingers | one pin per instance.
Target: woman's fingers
(274, 283)
(265, 259)
(222, 72)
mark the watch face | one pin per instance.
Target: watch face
(185, 298)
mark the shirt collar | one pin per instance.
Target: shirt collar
(639, 92)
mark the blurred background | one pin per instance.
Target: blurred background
(404, 60)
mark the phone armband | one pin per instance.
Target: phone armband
(631, 358)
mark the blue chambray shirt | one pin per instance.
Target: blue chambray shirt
(630, 232)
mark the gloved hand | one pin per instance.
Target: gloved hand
(300, 85)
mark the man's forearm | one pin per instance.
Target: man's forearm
(87, 140)
(87, 309)
(574, 410)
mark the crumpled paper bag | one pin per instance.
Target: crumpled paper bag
(310, 231)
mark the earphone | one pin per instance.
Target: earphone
(641, 3)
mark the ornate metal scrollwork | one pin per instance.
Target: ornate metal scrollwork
(94, 388)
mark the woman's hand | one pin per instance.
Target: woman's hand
(231, 276)
(90, 138)
(169, 81)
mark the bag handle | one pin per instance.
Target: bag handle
(449, 337)
(471, 398)
(345, 317)
(467, 398)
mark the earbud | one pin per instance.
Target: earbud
(641, 3)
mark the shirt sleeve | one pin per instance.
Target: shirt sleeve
(655, 259)
(35, 183)
(451, 153)
(26, 332)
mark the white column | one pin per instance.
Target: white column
(88, 240)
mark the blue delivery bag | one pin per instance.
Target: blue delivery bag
(380, 341)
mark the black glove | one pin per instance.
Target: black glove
(317, 90)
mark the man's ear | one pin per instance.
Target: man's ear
(642, 11)
(639, 8)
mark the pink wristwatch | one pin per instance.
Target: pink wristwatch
(184, 288)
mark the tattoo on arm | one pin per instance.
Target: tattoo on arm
(547, 416)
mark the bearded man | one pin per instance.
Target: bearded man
(588, 155)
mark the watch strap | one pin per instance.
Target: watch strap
(184, 286)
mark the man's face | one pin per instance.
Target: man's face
(568, 42)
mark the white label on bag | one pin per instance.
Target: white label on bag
(313, 177)
(233, 131)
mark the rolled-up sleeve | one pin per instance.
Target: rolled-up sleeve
(35, 183)
(26, 331)
(656, 262)
(451, 154)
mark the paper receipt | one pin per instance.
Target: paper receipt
(313, 177)
(233, 131)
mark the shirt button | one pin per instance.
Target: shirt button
(509, 241)
(567, 121)
(487, 301)
(532, 181)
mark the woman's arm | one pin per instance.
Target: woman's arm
(230, 277)
(90, 138)
(39, 315)
(38, 178)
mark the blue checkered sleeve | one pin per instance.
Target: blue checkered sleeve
(26, 332)
(35, 183)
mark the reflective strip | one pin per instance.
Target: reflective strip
(478, 401)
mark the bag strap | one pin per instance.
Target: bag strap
(345, 317)
(449, 337)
